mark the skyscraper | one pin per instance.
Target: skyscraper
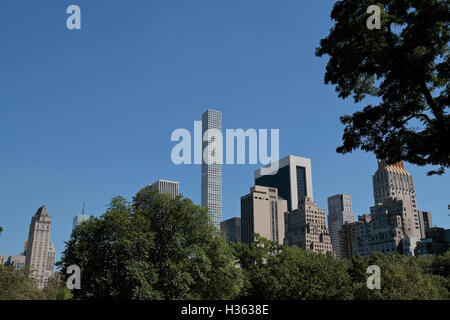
(293, 179)
(78, 219)
(339, 213)
(212, 145)
(306, 227)
(231, 229)
(37, 255)
(394, 182)
(262, 212)
(2, 259)
(165, 186)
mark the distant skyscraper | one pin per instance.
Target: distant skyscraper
(211, 196)
(339, 213)
(38, 249)
(262, 212)
(306, 227)
(293, 180)
(394, 182)
(2, 259)
(165, 186)
(16, 261)
(231, 229)
(425, 223)
(78, 219)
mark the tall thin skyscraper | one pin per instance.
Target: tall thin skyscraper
(212, 170)
(39, 250)
(394, 182)
(165, 186)
(293, 179)
(339, 213)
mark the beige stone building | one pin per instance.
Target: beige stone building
(40, 254)
(262, 212)
(16, 261)
(394, 182)
(306, 227)
(2, 259)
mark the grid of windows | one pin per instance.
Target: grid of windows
(211, 195)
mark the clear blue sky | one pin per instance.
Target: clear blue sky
(87, 115)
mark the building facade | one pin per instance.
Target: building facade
(306, 227)
(38, 248)
(262, 212)
(353, 239)
(394, 182)
(231, 229)
(293, 179)
(167, 187)
(435, 243)
(2, 259)
(340, 212)
(16, 261)
(212, 146)
(425, 223)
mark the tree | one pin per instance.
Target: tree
(1, 230)
(155, 248)
(277, 272)
(402, 278)
(56, 289)
(405, 67)
(17, 285)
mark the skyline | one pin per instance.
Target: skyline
(76, 109)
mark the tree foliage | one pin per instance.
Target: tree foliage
(405, 67)
(17, 285)
(155, 248)
(402, 278)
(278, 272)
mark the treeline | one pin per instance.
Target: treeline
(17, 285)
(162, 248)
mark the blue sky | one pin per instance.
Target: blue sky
(87, 115)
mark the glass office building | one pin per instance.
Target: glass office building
(293, 179)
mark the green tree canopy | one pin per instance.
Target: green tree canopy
(17, 285)
(405, 67)
(155, 248)
(277, 272)
(402, 278)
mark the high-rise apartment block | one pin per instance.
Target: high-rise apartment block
(392, 181)
(16, 261)
(435, 243)
(293, 179)
(38, 253)
(339, 213)
(231, 229)
(2, 259)
(262, 212)
(211, 195)
(167, 187)
(353, 237)
(381, 231)
(425, 223)
(306, 227)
